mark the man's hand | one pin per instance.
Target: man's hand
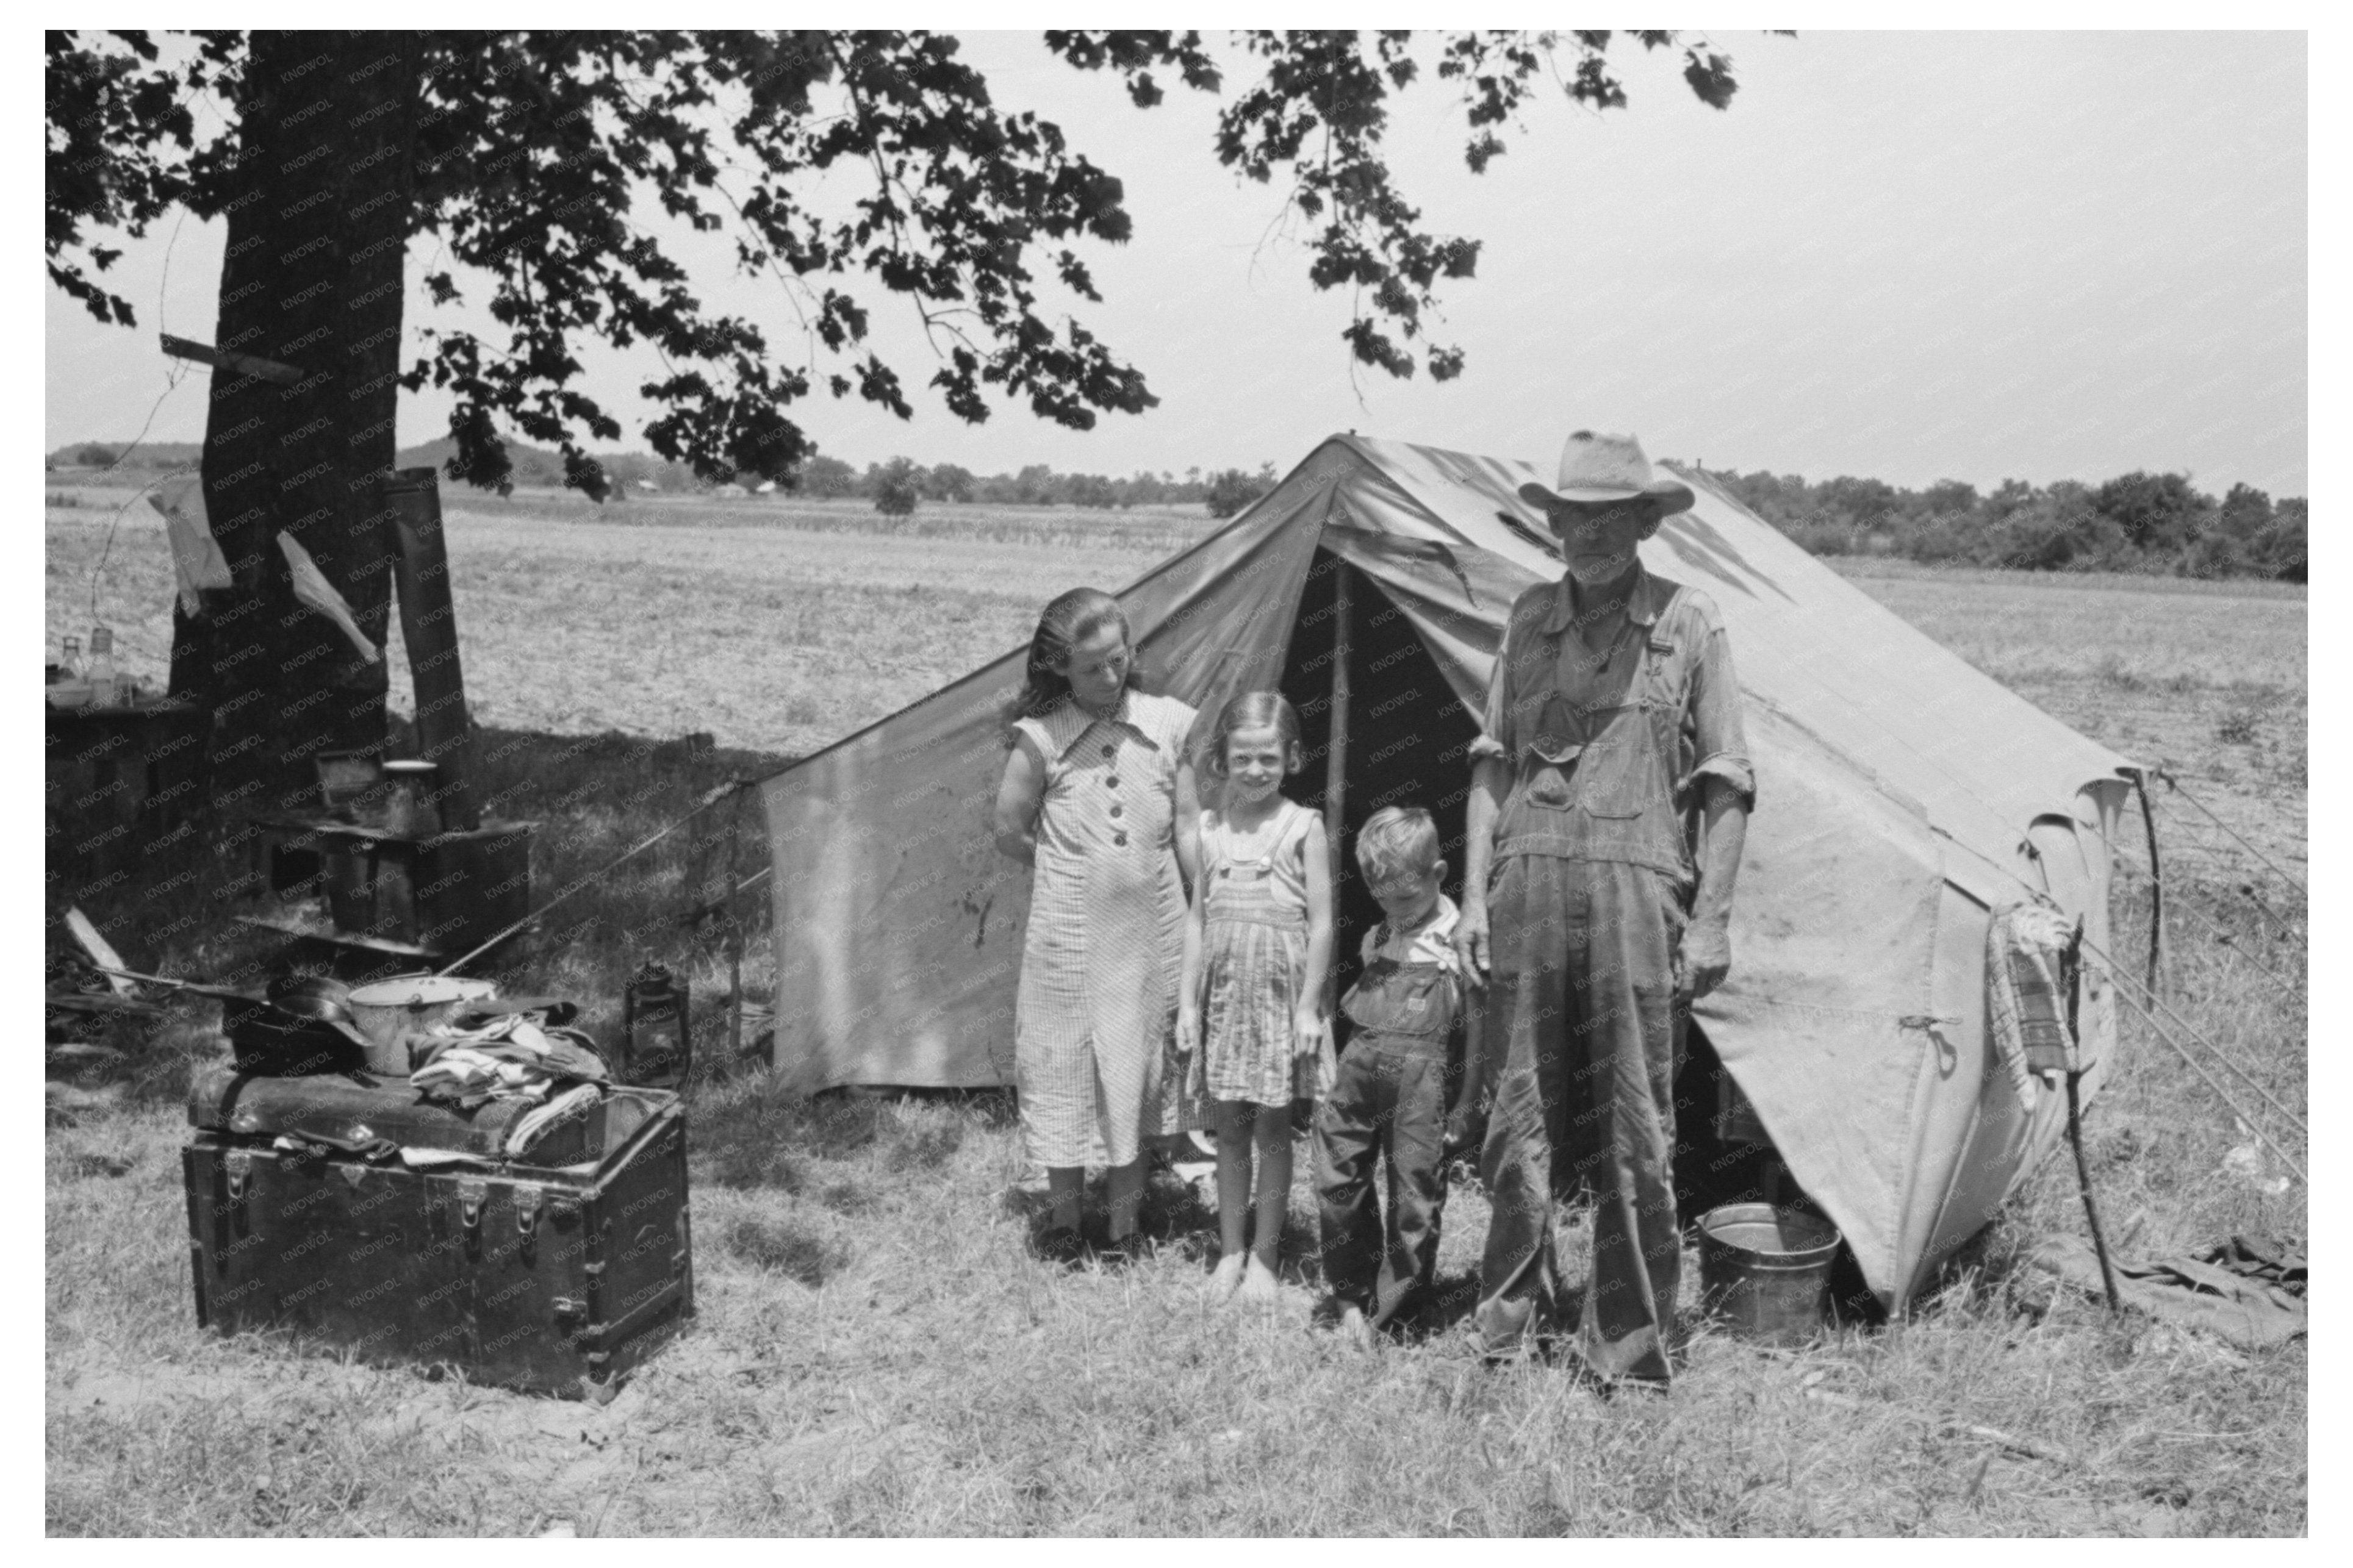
(1465, 1131)
(1471, 941)
(1702, 959)
(1188, 1030)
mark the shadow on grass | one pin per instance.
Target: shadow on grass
(783, 1248)
(752, 1134)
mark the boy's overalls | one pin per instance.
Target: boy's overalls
(1390, 1098)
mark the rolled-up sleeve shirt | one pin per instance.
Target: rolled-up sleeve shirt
(1549, 687)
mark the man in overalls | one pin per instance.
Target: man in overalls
(1609, 798)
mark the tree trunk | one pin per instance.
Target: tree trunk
(312, 279)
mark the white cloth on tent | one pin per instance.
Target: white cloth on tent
(1097, 1002)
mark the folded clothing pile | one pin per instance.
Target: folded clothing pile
(516, 1057)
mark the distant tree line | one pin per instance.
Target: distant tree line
(2137, 523)
(897, 486)
(901, 484)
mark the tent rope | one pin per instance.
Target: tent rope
(2174, 785)
(710, 797)
(2192, 1031)
(2247, 890)
(2229, 941)
(2130, 868)
(2288, 928)
(2219, 1054)
(710, 907)
(2245, 1119)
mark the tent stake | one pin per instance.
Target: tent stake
(1335, 756)
(2073, 968)
(2091, 1209)
(2156, 885)
(734, 938)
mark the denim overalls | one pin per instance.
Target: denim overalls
(1390, 1100)
(1587, 900)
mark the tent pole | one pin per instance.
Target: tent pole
(2155, 884)
(1335, 756)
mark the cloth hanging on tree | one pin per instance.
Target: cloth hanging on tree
(311, 587)
(197, 559)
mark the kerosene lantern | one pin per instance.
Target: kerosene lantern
(655, 1051)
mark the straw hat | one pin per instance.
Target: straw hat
(1598, 469)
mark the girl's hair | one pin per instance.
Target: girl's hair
(1071, 619)
(1257, 710)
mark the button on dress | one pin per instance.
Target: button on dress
(1097, 1002)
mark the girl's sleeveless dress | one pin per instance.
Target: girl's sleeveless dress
(1097, 1002)
(1254, 950)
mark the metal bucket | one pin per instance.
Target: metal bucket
(387, 1011)
(1766, 1271)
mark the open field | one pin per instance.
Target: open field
(876, 1353)
(2203, 679)
(781, 625)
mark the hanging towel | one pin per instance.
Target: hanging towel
(310, 586)
(2026, 994)
(197, 558)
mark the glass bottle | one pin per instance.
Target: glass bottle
(101, 668)
(70, 664)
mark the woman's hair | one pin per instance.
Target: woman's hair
(1257, 710)
(1071, 619)
(1397, 841)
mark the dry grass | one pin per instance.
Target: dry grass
(1156, 530)
(776, 629)
(876, 1352)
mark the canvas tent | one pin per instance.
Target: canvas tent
(1903, 797)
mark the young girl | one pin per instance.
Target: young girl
(1249, 1015)
(1098, 796)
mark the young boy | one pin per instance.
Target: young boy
(1392, 1097)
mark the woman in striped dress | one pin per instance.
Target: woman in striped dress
(1098, 797)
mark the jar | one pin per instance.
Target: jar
(409, 809)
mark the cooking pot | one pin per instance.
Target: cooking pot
(315, 997)
(388, 1011)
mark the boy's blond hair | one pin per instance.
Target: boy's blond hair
(1397, 841)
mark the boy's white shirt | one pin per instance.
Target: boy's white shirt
(1432, 943)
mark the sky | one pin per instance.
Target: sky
(1908, 256)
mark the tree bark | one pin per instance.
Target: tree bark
(312, 279)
